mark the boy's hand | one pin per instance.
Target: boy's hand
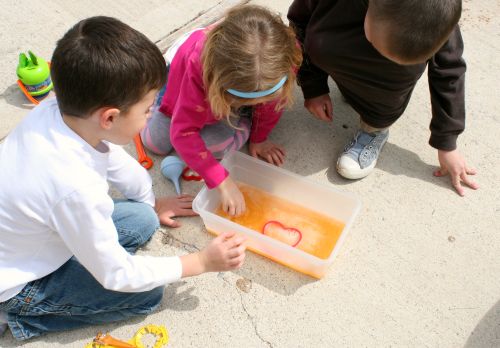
(233, 202)
(168, 207)
(453, 163)
(224, 253)
(271, 152)
(321, 107)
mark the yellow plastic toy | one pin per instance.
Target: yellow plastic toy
(106, 341)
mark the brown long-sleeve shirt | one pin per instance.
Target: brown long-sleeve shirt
(334, 43)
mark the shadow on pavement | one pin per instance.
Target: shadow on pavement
(486, 334)
(271, 275)
(396, 160)
(179, 299)
(15, 97)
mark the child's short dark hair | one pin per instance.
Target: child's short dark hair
(418, 28)
(102, 61)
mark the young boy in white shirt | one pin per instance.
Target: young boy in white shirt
(66, 247)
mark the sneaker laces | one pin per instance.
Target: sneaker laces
(365, 147)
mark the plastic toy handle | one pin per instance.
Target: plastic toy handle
(107, 341)
(187, 177)
(143, 158)
(26, 93)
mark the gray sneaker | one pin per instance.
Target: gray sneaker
(360, 155)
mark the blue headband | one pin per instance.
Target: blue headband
(252, 95)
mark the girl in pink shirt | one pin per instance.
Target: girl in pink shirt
(227, 83)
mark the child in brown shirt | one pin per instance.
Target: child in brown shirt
(376, 51)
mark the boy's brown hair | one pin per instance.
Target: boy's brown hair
(251, 49)
(102, 61)
(418, 28)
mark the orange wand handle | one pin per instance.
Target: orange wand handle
(26, 93)
(143, 158)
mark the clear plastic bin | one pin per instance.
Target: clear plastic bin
(281, 183)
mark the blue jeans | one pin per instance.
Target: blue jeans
(70, 297)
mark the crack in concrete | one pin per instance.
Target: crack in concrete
(200, 14)
(251, 318)
(171, 240)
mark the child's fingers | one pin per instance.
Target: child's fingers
(281, 149)
(170, 222)
(455, 180)
(318, 112)
(236, 252)
(252, 151)
(185, 198)
(277, 159)
(187, 212)
(235, 242)
(323, 116)
(467, 181)
(223, 237)
(470, 171)
(323, 112)
(243, 206)
(280, 154)
(185, 204)
(237, 261)
(329, 109)
(229, 208)
(237, 210)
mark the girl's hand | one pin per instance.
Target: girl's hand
(168, 207)
(270, 152)
(233, 202)
(452, 162)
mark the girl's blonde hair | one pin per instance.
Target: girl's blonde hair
(251, 49)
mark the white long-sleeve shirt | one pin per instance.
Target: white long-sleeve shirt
(54, 204)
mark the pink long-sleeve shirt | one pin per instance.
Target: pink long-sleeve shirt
(185, 101)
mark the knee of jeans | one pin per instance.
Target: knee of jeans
(150, 300)
(147, 220)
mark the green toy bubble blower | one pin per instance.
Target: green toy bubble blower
(34, 76)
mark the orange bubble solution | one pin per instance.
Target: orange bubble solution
(292, 224)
